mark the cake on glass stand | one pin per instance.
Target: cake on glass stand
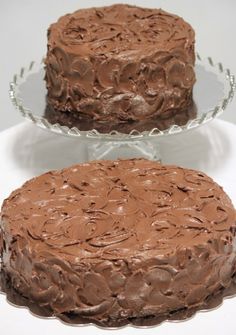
(213, 90)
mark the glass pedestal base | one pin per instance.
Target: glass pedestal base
(124, 149)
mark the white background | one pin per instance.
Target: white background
(24, 23)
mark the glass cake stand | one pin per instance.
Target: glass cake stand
(213, 90)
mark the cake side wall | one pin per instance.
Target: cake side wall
(116, 292)
(157, 88)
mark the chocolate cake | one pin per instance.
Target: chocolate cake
(120, 67)
(117, 242)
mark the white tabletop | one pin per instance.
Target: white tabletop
(27, 151)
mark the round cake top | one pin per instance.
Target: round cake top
(117, 210)
(120, 29)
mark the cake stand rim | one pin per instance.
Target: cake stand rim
(133, 135)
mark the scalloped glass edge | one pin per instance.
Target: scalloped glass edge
(115, 135)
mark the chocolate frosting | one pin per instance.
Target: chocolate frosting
(116, 242)
(120, 63)
(84, 124)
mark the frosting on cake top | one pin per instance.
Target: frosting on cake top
(120, 209)
(120, 29)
